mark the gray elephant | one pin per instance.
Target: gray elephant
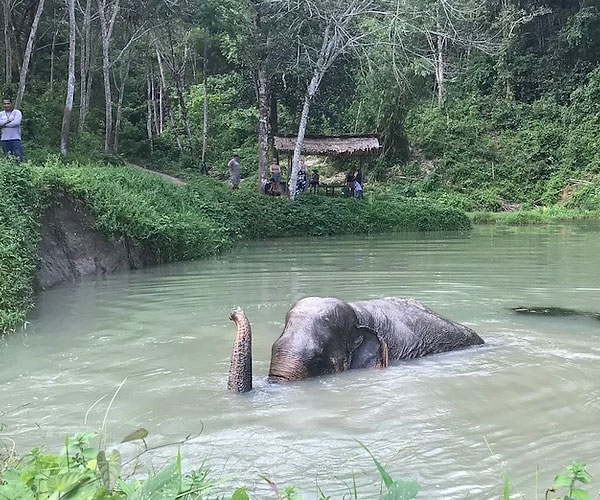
(327, 335)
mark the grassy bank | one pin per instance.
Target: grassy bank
(180, 222)
(555, 214)
(18, 242)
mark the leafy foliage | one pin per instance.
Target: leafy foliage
(576, 473)
(18, 242)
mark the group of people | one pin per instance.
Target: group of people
(273, 186)
(354, 184)
(302, 182)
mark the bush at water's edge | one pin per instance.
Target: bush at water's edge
(18, 242)
(178, 223)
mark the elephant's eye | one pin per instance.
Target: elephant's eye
(358, 340)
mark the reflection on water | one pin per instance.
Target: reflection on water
(454, 422)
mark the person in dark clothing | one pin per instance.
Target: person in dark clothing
(350, 180)
(314, 182)
(301, 182)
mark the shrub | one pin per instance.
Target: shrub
(18, 242)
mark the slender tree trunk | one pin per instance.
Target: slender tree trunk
(106, 28)
(85, 63)
(178, 77)
(440, 70)
(273, 124)
(124, 73)
(7, 43)
(164, 90)
(158, 108)
(263, 125)
(150, 106)
(308, 97)
(52, 50)
(155, 105)
(28, 52)
(64, 135)
(205, 117)
(439, 58)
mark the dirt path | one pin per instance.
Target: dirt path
(168, 178)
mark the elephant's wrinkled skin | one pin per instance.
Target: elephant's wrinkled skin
(327, 335)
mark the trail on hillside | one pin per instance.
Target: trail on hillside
(168, 178)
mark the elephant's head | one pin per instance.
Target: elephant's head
(321, 335)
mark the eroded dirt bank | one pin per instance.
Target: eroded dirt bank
(71, 248)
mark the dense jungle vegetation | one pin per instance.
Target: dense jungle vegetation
(486, 105)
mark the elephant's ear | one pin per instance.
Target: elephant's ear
(371, 351)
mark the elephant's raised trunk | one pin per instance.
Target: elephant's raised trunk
(240, 372)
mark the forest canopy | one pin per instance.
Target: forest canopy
(461, 84)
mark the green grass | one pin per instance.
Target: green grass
(556, 214)
(18, 242)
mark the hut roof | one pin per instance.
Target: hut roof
(331, 145)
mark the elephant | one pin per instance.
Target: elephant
(324, 335)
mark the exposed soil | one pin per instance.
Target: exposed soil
(72, 248)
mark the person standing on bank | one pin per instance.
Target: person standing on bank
(10, 123)
(235, 170)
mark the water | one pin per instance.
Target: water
(455, 422)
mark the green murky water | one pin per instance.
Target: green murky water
(454, 422)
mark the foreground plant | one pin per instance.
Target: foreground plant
(569, 482)
(83, 472)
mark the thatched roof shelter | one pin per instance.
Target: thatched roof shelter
(357, 145)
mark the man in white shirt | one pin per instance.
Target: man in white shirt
(10, 123)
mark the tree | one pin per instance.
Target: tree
(28, 52)
(86, 58)
(64, 135)
(339, 23)
(106, 30)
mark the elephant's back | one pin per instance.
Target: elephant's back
(411, 329)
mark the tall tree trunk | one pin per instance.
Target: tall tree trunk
(158, 108)
(308, 97)
(440, 69)
(52, 50)
(28, 52)
(64, 135)
(164, 90)
(150, 108)
(124, 74)
(439, 61)
(106, 29)
(178, 77)
(205, 117)
(273, 124)
(263, 125)
(155, 104)
(85, 66)
(7, 42)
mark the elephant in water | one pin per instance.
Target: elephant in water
(327, 335)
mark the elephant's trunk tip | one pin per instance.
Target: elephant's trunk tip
(237, 313)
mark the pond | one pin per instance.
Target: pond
(455, 422)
